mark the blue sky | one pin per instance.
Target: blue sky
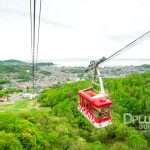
(75, 28)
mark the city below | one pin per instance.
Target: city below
(16, 77)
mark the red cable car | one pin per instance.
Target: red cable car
(95, 108)
(95, 105)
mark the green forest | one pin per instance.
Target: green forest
(60, 126)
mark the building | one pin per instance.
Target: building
(3, 99)
(29, 95)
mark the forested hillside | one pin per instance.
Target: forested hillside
(61, 126)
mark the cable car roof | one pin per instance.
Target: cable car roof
(101, 102)
(91, 97)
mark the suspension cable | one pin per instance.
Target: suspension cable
(95, 64)
(130, 45)
(33, 46)
(31, 21)
(39, 23)
(34, 43)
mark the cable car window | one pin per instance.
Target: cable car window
(104, 112)
(85, 104)
(97, 112)
(91, 109)
(81, 100)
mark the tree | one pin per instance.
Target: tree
(136, 141)
(119, 146)
(9, 141)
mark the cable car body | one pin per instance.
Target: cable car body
(95, 105)
(95, 108)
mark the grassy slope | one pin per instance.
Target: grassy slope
(14, 107)
(23, 105)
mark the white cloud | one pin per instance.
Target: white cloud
(75, 28)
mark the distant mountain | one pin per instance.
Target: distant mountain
(12, 62)
(18, 62)
(45, 64)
